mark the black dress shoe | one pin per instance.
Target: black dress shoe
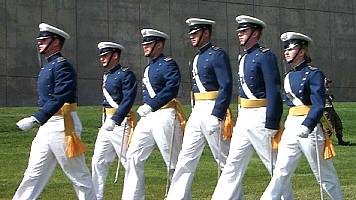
(343, 143)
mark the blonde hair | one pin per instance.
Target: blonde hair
(307, 56)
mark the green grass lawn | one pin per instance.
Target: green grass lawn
(15, 147)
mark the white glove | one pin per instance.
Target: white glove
(212, 124)
(144, 110)
(270, 132)
(109, 124)
(27, 123)
(303, 131)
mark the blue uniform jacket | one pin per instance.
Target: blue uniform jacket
(215, 74)
(261, 75)
(56, 85)
(122, 86)
(307, 83)
(164, 76)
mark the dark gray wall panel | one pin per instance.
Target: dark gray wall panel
(322, 5)
(274, 3)
(92, 27)
(2, 38)
(343, 54)
(240, 1)
(89, 92)
(292, 20)
(21, 91)
(317, 27)
(3, 97)
(344, 6)
(292, 4)
(22, 28)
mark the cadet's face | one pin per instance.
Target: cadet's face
(243, 35)
(147, 48)
(42, 44)
(105, 59)
(194, 37)
(290, 53)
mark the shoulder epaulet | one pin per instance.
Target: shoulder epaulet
(125, 68)
(312, 68)
(215, 48)
(60, 59)
(167, 59)
(264, 49)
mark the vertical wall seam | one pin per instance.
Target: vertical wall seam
(281, 57)
(108, 17)
(76, 36)
(330, 35)
(227, 29)
(141, 68)
(170, 28)
(353, 31)
(5, 51)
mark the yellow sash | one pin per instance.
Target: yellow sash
(277, 137)
(251, 103)
(329, 150)
(299, 110)
(131, 120)
(211, 95)
(228, 120)
(74, 146)
(228, 125)
(177, 105)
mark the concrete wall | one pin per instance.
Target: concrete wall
(330, 23)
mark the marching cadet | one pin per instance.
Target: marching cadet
(160, 115)
(305, 95)
(333, 118)
(119, 90)
(259, 99)
(57, 140)
(212, 88)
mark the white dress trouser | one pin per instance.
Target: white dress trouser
(154, 129)
(195, 138)
(249, 135)
(107, 147)
(291, 149)
(48, 149)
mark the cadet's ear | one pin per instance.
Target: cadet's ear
(160, 44)
(302, 52)
(58, 42)
(206, 33)
(257, 33)
(117, 55)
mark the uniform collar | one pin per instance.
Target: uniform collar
(156, 58)
(54, 56)
(205, 47)
(300, 66)
(118, 66)
(254, 47)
